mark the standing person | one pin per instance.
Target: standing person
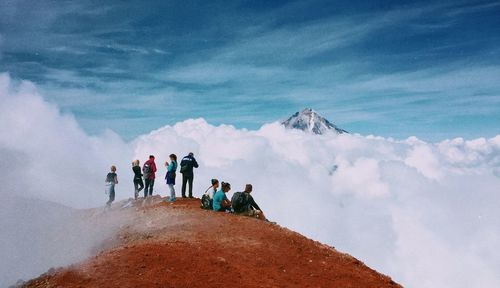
(170, 177)
(138, 183)
(187, 165)
(149, 170)
(111, 181)
(221, 203)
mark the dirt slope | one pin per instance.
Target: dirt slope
(181, 245)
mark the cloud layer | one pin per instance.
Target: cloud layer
(424, 213)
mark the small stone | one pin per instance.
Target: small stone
(221, 259)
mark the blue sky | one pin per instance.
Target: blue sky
(390, 68)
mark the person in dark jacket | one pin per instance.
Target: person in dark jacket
(251, 209)
(138, 183)
(187, 165)
(111, 181)
(149, 170)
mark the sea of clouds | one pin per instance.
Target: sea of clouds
(427, 214)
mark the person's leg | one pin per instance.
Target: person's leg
(111, 195)
(147, 188)
(183, 189)
(136, 189)
(151, 185)
(260, 215)
(190, 179)
(141, 184)
(172, 192)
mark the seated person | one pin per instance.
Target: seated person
(208, 196)
(212, 189)
(220, 201)
(246, 204)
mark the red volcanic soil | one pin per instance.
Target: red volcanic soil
(181, 245)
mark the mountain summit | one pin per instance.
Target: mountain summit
(160, 244)
(310, 121)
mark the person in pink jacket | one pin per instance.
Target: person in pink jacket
(149, 170)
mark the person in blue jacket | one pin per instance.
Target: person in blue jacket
(187, 165)
(221, 203)
(170, 176)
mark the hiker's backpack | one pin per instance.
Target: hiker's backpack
(206, 202)
(239, 201)
(146, 170)
(184, 168)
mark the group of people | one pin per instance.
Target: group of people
(148, 174)
(242, 203)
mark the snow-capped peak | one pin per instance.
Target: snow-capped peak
(310, 121)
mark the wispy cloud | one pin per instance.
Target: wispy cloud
(369, 68)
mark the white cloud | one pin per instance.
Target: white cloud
(426, 214)
(49, 153)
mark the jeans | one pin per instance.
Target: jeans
(187, 179)
(138, 185)
(172, 192)
(111, 191)
(148, 191)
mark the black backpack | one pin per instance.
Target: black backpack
(239, 201)
(184, 168)
(206, 202)
(146, 169)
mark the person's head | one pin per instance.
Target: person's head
(135, 163)
(248, 188)
(113, 168)
(225, 187)
(173, 157)
(215, 183)
(151, 157)
(191, 154)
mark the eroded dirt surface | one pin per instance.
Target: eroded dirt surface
(181, 245)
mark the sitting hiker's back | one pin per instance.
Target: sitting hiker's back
(244, 204)
(241, 202)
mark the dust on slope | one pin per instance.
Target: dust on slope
(181, 245)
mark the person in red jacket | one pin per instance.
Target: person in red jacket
(149, 170)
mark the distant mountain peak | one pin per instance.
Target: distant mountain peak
(310, 121)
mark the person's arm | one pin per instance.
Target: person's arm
(226, 202)
(195, 164)
(116, 179)
(254, 205)
(154, 167)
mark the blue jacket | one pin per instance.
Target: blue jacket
(171, 172)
